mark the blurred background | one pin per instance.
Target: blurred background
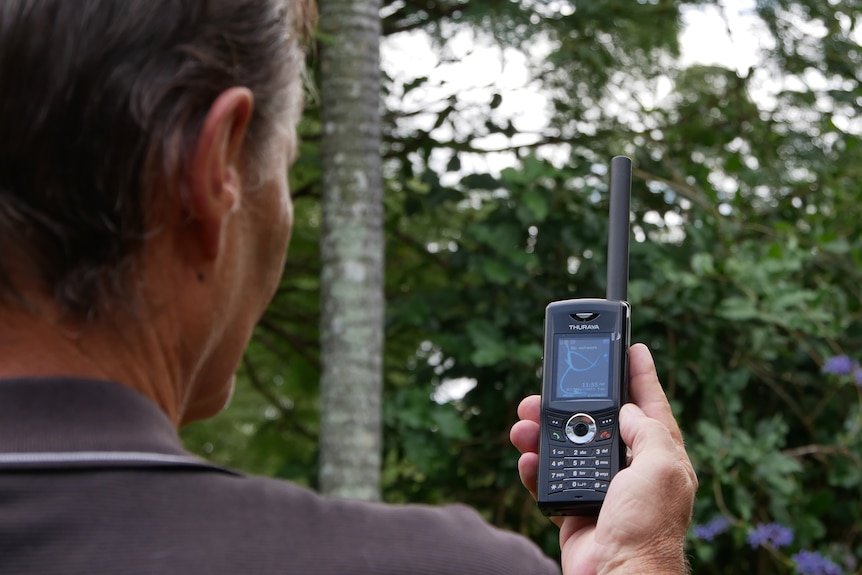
(497, 122)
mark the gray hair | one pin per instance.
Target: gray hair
(102, 99)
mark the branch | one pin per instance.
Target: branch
(395, 22)
(816, 450)
(420, 248)
(686, 191)
(296, 343)
(287, 414)
(779, 391)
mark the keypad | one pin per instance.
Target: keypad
(580, 467)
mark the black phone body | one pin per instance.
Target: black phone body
(584, 384)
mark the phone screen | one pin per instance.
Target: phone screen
(583, 369)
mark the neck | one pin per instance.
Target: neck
(40, 344)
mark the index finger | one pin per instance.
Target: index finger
(530, 407)
(646, 392)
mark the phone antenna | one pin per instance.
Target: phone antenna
(618, 234)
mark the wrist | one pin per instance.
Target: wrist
(652, 563)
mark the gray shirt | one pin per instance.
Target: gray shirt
(93, 479)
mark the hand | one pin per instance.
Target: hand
(647, 510)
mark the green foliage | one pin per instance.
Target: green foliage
(745, 272)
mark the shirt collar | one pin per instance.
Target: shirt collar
(60, 422)
(67, 414)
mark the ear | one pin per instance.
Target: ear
(214, 177)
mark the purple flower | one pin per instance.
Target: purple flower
(813, 563)
(839, 365)
(709, 531)
(772, 534)
(857, 376)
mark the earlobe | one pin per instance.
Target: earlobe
(214, 177)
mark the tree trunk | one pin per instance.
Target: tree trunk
(352, 250)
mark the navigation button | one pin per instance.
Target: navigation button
(581, 429)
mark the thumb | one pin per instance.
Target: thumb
(657, 456)
(644, 434)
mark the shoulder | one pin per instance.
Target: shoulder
(362, 537)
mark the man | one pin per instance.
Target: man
(144, 218)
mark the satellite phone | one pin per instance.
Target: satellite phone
(585, 378)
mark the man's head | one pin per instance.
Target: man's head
(102, 100)
(143, 177)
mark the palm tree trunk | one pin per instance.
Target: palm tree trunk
(352, 250)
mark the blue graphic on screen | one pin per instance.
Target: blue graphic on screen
(583, 367)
